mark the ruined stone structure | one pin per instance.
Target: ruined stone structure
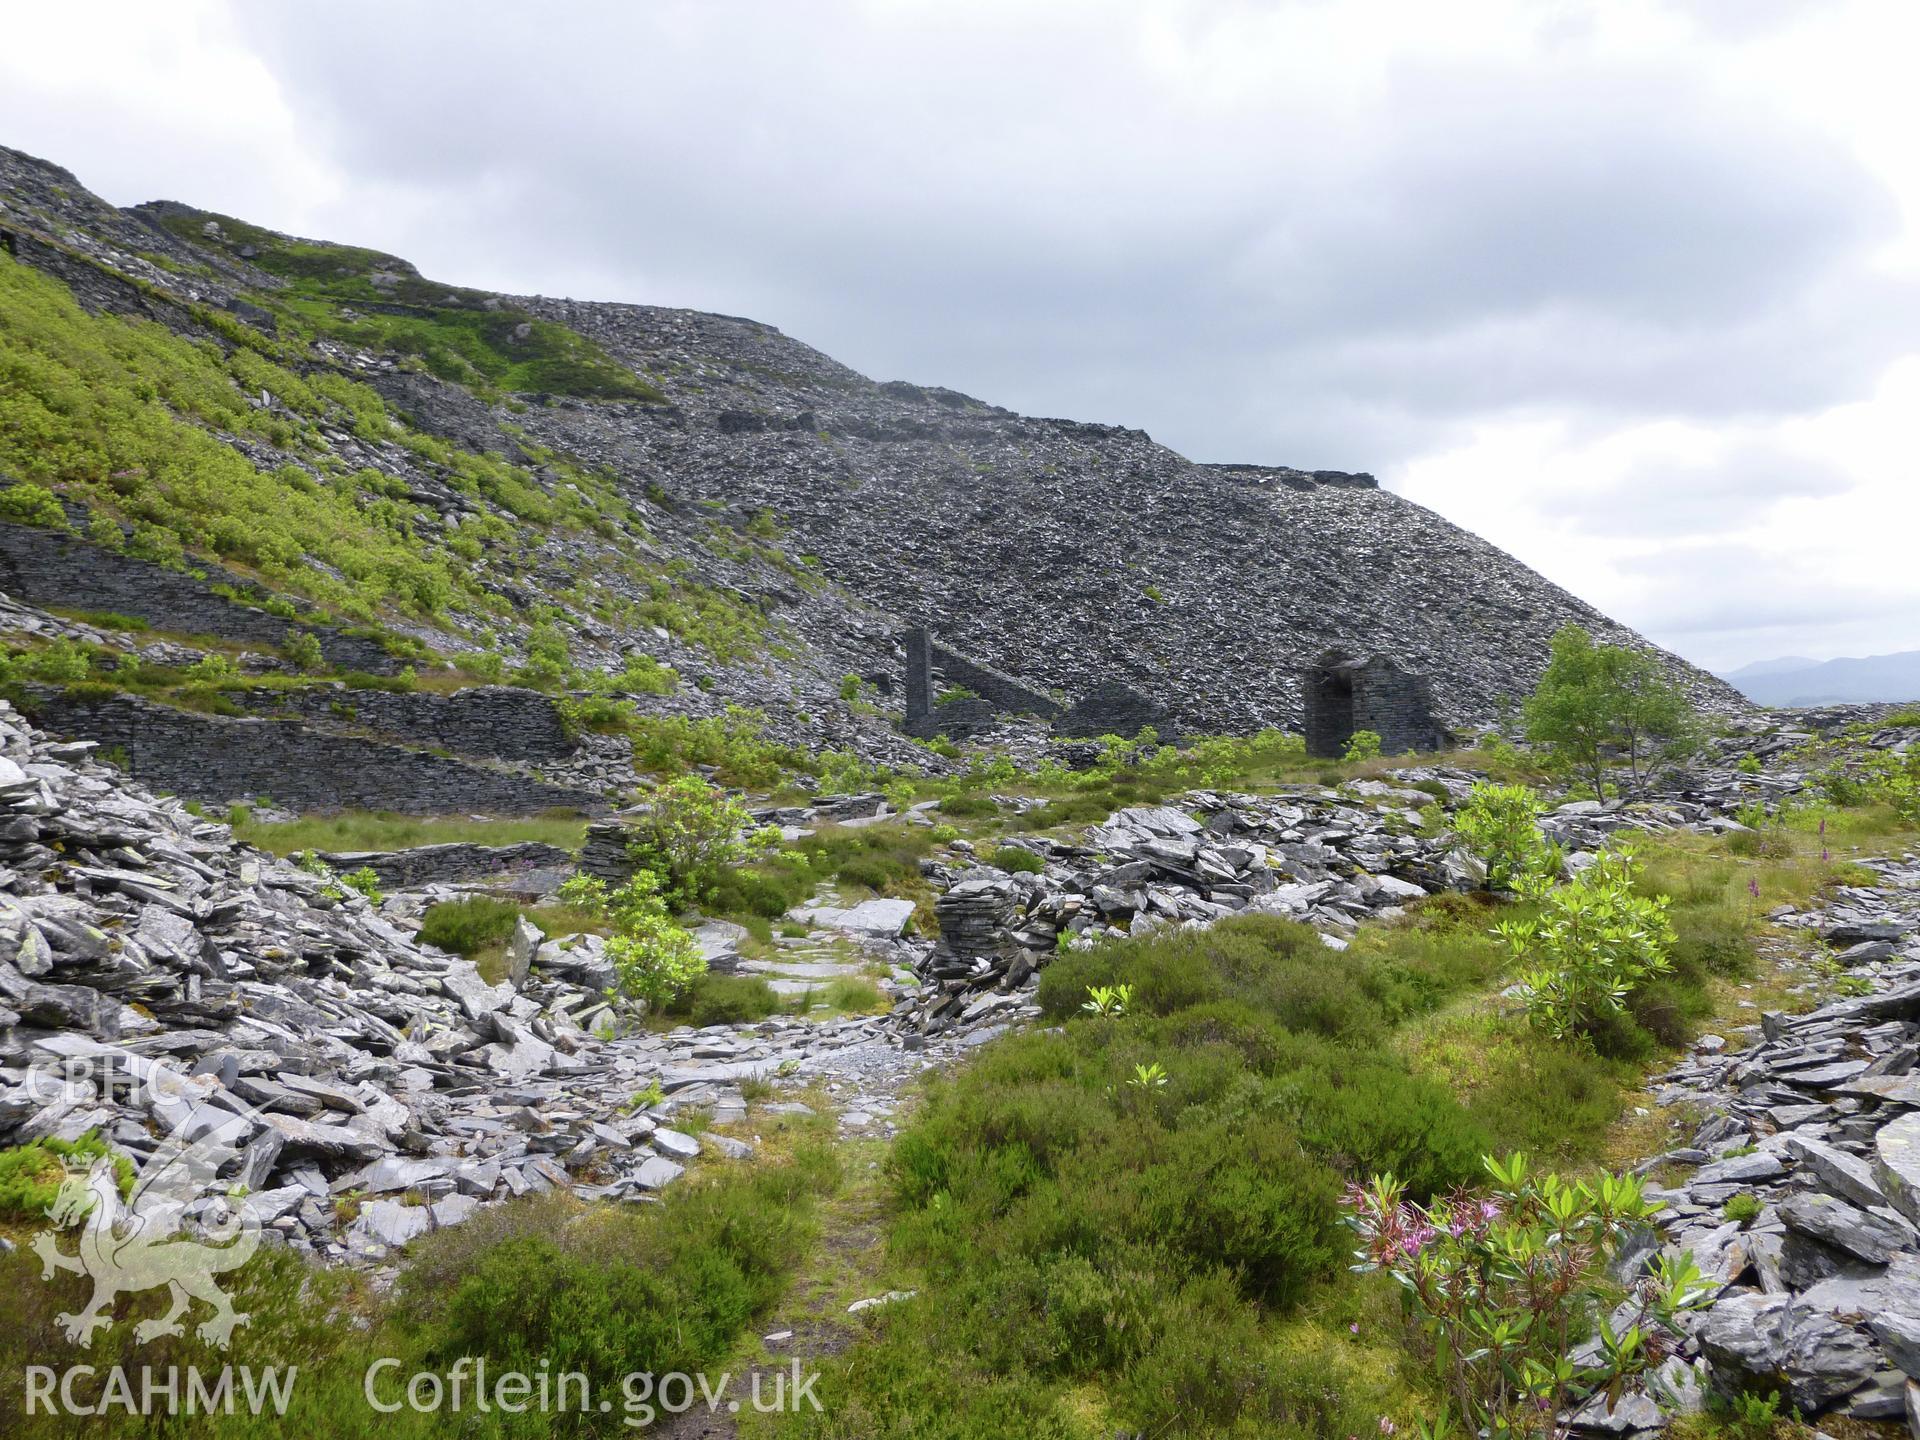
(1112, 707)
(997, 693)
(919, 681)
(1116, 708)
(1340, 695)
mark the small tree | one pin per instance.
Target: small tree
(690, 834)
(1592, 945)
(1651, 713)
(1363, 745)
(1592, 699)
(655, 958)
(1497, 823)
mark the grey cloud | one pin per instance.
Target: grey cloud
(1015, 216)
(1729, 603)
(1678, 498)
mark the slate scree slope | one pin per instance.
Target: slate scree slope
(1073, 556)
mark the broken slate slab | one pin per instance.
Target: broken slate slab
(1741, 1170)
(1844, 1227)
(656, 1173)
(870, 919)
(390, 1223)
(1896, 1163)
(676, 1144)
(1847, 1176)
(1754, 1340)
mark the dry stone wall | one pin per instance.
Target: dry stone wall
(490, 721)
(445, 864)
(219, 759)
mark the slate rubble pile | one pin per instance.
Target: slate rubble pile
(1330, 859)
(1004, 532)
(824, 631)
(1817, 1119)
(141, 940)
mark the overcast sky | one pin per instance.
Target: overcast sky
(1628, 288)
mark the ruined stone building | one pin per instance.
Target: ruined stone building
(1340, 695)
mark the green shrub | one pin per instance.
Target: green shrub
(1081, 1230)
(726, 1000)
(468, 925)
(619, 1289)
(31, 1174)
(657, 961)
(644, 675)
(1277, 968)
(29, 504)
(1592, 944)
(365, 881)
(302, 648)
(63, 662)
(1498, 1288)
(1362, 745)
(870, 871)
(689, 834)
(965, 803)
(1498, 824)
(766, 891)
(1017, 859)
(734, 745)
(1242, 1197)
(1370, 1118)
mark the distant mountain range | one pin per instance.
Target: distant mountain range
(1796, 680)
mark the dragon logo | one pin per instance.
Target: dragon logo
(179, 1228)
